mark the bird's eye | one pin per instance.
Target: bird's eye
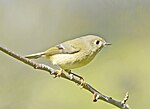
(97, 42)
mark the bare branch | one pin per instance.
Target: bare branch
(97, 94)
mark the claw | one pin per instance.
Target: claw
(59, 73)
(71, 74)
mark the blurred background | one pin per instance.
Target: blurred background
(29, 26)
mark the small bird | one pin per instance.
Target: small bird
(73, 53)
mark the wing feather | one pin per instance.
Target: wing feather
(62, 49)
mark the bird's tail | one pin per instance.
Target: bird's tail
(35, 56)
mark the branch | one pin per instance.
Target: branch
(97, 94)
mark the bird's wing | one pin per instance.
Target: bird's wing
(62, 49)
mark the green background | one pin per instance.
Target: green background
(29, 26)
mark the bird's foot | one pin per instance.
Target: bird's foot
(59, 73)
(82, 81)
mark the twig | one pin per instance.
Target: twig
(97, 94)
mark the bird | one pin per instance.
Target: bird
(73, 53)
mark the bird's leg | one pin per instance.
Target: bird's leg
(83, 83)
(59, 71)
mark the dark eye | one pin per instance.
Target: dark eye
(97, 42)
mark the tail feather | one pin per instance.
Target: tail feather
(35, 56)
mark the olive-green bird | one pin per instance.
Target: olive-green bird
(73, 53)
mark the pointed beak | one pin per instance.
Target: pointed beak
(108, 44)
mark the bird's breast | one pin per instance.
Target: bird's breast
(71, 61)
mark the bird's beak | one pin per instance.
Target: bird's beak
(108, 43)
(105, 44)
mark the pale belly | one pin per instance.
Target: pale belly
(71, 61)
